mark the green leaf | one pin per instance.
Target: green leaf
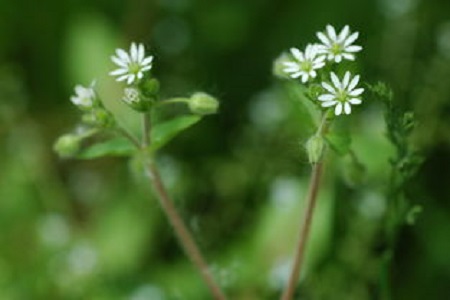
(339, 142)
(112, 147)
(164, 132)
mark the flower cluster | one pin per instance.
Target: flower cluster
(333, 48)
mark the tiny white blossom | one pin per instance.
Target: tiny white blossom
(342, 93)
(306, 63)
(84, 96)
(132, 65)
(338, 46)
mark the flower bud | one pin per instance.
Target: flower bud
(136, 100)
(314, 147)
(67, 145)
(278, 66)
(203, 104)
(99, 117)
(150, 88)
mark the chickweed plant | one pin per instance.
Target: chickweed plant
(324, 73)
(141, 93)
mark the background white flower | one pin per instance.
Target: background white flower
(338, 46)
(84, 96)
(131, 65)
(305, 64)
(342, 94)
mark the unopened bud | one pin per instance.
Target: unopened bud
(67, 145)
(314, 148)
(203, 104)
(99, 117)
(278, 66)
(150, 88)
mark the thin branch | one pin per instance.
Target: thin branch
(146, 127)
(183, 234)
(305, 225)
(181, 230)
(306, 221)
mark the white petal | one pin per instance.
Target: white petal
(304, 78)
(134, 52)
(353, 83)
(323, 38)
(131, 78)
(297, 54)
(118, 61)
(313, 74)
(344, 33)
(346, 79)
(147, 60)
(331, 33)
(335, 80)
(146, 68)
(296, 75)
(329, 103)
(355, 101)
(353, 48)
(122, 78)
(356, 92)
(351, 39)
(326, 97)
(318, 65)
(141, 52)
(140, 75)
(328, 87)
(338, 58)
(347, 108)
(348, 56)
(338, 109)
(118, 72)
(123, 55)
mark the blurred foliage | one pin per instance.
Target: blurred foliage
(92, 230)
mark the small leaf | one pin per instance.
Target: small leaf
(112, 147)
(339, 142)
(166, 131)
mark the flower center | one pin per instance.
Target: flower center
(342, 96)
(306, 66)
(134, 67)
(336, 48)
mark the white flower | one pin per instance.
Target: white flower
(338, 46)
(305, 64)
(84, 96)
(131, 65)
(342, 93)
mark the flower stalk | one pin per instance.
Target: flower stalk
(181, 230)
(306, 221)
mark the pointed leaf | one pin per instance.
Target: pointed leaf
(112, 147)
(164, 132)
(339, 142)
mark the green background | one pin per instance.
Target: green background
(92, 229)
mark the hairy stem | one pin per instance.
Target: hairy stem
(184, 236)
(305, 226)
(306, 221)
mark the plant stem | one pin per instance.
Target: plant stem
(184, 236)
(304, 230)
(306, 221)
(146, 127)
